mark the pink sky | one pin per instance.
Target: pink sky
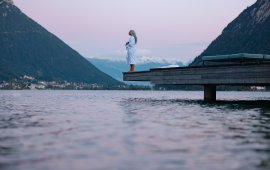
(167, 29)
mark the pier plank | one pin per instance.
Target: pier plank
(220, 75)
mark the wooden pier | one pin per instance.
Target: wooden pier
(207, 76)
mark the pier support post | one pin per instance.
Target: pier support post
(210, 94)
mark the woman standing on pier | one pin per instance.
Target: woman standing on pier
(130, 46)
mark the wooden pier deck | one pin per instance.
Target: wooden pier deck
(208, 76)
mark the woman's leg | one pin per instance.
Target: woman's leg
(132, 67)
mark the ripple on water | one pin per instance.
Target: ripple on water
(133, 130)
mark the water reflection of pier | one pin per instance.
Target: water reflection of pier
(252, 74)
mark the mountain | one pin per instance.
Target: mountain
(248, 33)
(26, 48)
(116, 68)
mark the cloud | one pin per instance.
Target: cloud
(155, 59)
(139, 52)
(142, 52)
(143, 56)
(172, 54)
(140, 58)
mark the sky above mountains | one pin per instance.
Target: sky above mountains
(166, 29)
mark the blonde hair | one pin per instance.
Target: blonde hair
(133, 33)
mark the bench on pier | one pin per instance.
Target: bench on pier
(237, 58)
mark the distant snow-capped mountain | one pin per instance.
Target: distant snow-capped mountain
(116, 68)
(141, 59)
(153, 59)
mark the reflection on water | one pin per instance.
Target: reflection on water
(133, 130)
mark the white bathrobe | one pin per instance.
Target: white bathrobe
(131, 59)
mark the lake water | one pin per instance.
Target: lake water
(133, 130)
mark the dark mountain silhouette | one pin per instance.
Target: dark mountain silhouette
(248, 33)
(26, 48)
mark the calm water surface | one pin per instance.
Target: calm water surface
(133, 130)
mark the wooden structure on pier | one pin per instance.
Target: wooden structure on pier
(249, 74)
